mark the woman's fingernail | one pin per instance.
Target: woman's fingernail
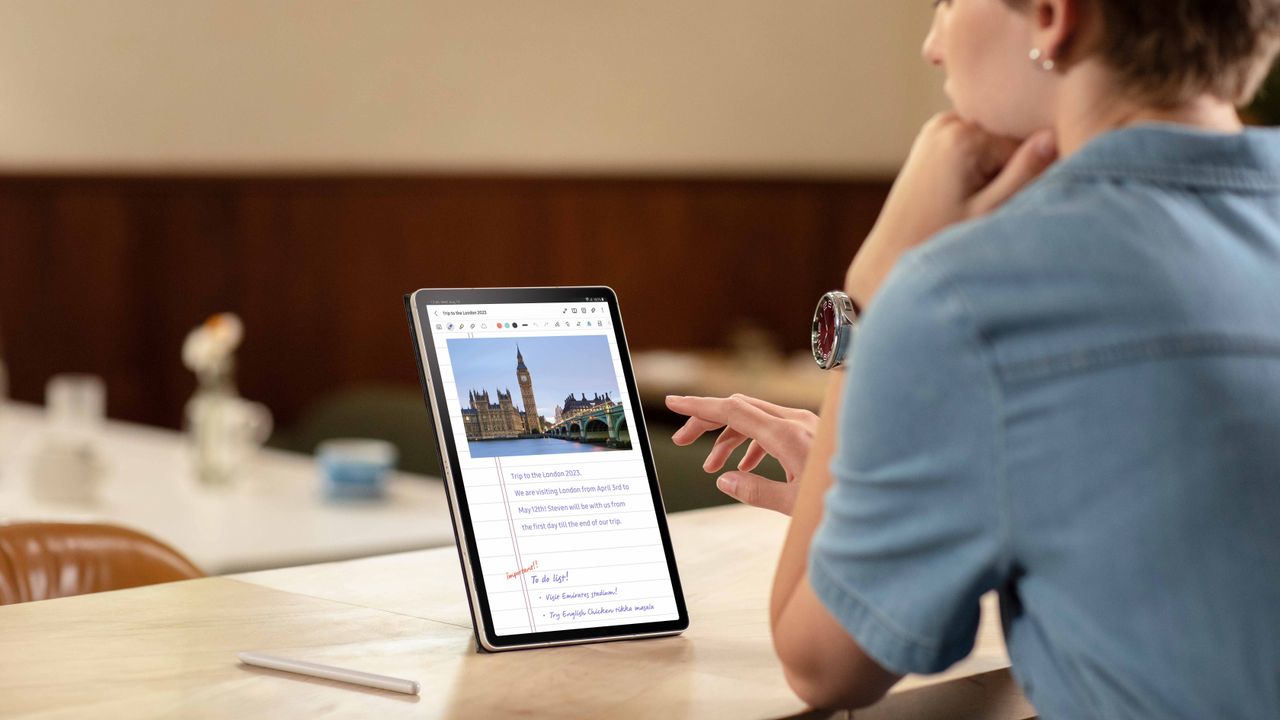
(728, 484)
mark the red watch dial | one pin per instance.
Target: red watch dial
(827, 328)
(833, 320)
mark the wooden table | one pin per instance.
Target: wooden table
(274, 516)
(169, 650)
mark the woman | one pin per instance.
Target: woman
(1068, 388)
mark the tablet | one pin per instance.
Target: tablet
(560, 526)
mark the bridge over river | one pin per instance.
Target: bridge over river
(605, 423)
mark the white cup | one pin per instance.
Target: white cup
(76, 406)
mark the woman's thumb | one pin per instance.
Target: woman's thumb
(758, 491)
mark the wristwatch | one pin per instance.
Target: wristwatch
(834, 322)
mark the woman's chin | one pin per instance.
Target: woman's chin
(995, 123)
(971, 118)
(998, 126)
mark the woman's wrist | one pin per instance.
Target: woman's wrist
(869, 269)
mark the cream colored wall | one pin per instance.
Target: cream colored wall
(757, 86)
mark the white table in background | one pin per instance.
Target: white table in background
(274, 516)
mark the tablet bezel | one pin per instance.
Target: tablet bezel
(433, 391)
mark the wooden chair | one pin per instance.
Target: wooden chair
(40, 561)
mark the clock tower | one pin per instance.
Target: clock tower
(531, 419)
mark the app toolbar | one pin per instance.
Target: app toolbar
(540, 325)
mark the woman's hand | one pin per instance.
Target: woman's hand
(955, 171)
(785, 433)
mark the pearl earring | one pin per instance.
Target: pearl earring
(1046, 63)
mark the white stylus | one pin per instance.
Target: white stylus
(328, 672)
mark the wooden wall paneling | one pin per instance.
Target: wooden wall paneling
(26, 271)
(378, 268)
(107, 274)
(290, 304)
(93, 307)
(190, 262)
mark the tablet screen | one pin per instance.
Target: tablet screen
(564, 520)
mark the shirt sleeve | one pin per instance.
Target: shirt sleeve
(913, 526)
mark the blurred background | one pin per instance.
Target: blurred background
(303, 164)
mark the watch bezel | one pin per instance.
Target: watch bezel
(846, 316)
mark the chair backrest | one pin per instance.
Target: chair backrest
(40, 561)
(396, 414)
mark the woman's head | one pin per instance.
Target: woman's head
(1159, 54)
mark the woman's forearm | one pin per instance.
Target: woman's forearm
(814, 482)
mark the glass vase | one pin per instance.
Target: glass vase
(225, 430)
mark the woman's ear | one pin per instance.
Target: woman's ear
(1055, 26)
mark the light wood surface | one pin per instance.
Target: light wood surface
(170, 650)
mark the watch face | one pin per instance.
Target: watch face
(824, 329)
(832, 322)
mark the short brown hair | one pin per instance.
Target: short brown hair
(1170, 51)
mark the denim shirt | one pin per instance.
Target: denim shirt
(1075, 402)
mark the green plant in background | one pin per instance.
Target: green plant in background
(1265, 109)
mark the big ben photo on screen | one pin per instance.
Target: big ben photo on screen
(538, 395)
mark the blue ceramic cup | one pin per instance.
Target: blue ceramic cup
(355, 468)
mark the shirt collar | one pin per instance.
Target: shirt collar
(1180, 155)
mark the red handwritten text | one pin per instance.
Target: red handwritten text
(522, 571)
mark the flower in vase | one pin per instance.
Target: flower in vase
(209, 348)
